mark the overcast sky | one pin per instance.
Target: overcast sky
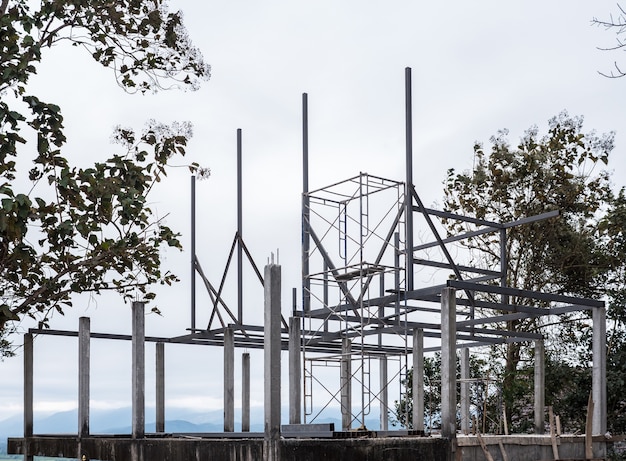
(477, 67)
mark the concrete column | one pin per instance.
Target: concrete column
(295, 372)
(345, 381)
(138, 372)
(418, 379)
(384, 395)
(465, 390)
(271, 350)
(448, 363)
(245, 392)
(229, 380)
(540, 390)
(598, 378)
(83, 376)
(160, 387)
(28, 391)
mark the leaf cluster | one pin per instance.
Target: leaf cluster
(69, 229)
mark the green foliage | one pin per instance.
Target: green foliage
(579, 253)
(74, 230)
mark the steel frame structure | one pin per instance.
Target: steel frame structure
(359, 296)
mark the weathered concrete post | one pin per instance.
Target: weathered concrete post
(271, 346)
(160, 387)
(418, 379)
(138, 377)
(345, 381)
(598, 379)
(295, 372)
(540, 390)
(229, 379)
(28, 392)
(245, 392)
(465, 388)
(448, 363)
(384, 395)
(83, 376)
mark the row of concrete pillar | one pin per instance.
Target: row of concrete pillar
(272, 373)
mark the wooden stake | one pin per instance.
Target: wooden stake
(505, 456)
(555, 448)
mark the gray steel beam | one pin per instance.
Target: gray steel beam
(463, 285)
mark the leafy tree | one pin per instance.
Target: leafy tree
(69, 229)
(557, 171)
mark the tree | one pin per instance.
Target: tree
(557, 171)
(73, 230)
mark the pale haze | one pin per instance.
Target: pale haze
(477, 67)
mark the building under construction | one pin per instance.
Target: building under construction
(358, 325)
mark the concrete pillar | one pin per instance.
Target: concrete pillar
(83, 376)
(598, 379)
(295, 372)
(418, 379)
(229, 380)
(465, 390)
(245, 392)
(160, 387)
(384, 395)
(28, 391)
(448, 363)
(540, 390)
(345, 381)
(138, 372)
(271, 350)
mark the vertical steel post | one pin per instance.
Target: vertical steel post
(409, 179)
(193, 253)
(28, 392)
(229, 380)
(138, 372)
(83, 376)
(160, 387)
(306, 242)
(239, 231)
(245, 392)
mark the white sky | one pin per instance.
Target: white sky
(477, 67)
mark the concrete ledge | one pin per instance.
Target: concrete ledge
(120, 448)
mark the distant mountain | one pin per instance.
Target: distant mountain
(118, 421)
